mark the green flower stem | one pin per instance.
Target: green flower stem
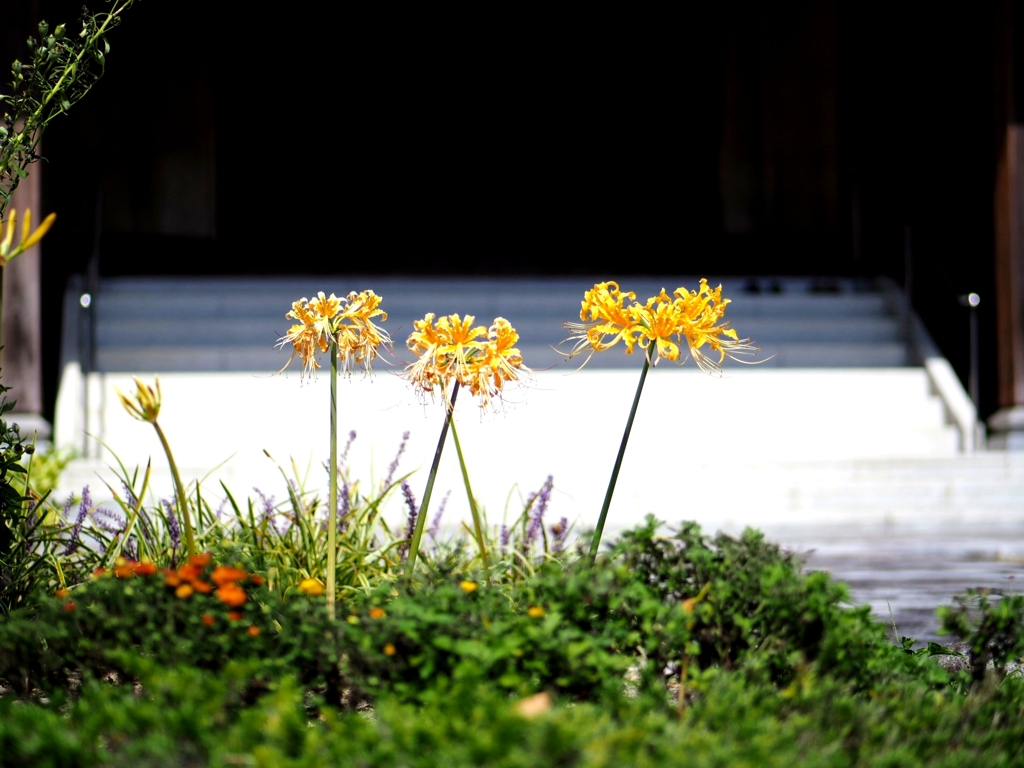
(417, 534)
(332, 511)
(3, 270)
(132, 516)
(179, 489)
(596, 543)
(477, 527)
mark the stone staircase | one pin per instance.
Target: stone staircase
(231, 324)
(849, 438)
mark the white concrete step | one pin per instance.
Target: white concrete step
(748, 439)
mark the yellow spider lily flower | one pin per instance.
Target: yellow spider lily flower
(28, 239)
(347, 322)
(690, 318)
(660, 321)
(451, 350)
(606, 320)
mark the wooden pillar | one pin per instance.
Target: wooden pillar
(22, 320)
(1007, 423)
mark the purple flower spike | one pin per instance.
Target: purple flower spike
(410, 502)
(503, 538)
(83, 510)
(268, 503)
(173, 528)
(344, 507)
(129, 496)
(343, 456)
(558, 533)
(393, 466)
(108, 521)
(435, 524)
(540, 505)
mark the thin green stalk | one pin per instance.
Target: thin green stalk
(133, 514)
(3, 270)
(179, 489)
(417, 534)
(596, 542)
(332, 511)
(477, 527)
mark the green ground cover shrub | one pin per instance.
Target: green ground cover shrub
(675, 649)
(186, 717)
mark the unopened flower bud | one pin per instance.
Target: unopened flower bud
(16, 67)
(30, 449)
(59, 32)
(44, 28)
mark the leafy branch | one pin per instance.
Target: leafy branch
(62, 70)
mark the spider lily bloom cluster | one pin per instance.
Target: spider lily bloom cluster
(346, 328)
(347, 322)
(691, 317)
(453, 353)
(479, 359)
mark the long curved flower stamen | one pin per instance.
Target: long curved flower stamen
(698, 312)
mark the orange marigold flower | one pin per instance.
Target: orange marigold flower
(69, 606)
(201, 561)
(172, 579)
(535, 612)
(389, 649)
(231, 594)
(189, 572)
(224, 574)
(184, 591)
(99, 572)
(202, 587)
(122, 569)
(468, 586)
(376, 613)
(144, 569)
(62, 593)
(257, 580)
(254, 631)
(208, 620)
(235, 615)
